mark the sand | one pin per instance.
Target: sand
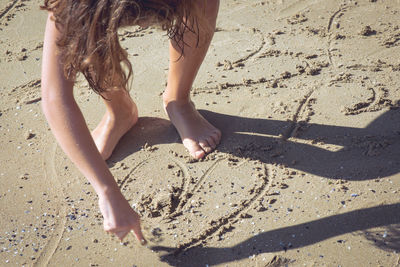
(307, 96)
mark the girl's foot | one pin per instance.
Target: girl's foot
(197, 134)
(114, 124)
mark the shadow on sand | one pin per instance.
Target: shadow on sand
(336, 152)
(297, 236)
(354, 153)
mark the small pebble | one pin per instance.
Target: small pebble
(29, 135)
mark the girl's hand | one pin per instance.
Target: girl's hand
(119, 217)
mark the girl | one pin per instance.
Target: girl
(81, 36)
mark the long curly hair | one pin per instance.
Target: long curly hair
(89, 42)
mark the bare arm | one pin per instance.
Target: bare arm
(69, 127)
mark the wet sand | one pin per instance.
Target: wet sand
(307, 96)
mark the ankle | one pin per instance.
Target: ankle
(122, 113)
(180, 100)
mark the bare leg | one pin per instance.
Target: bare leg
(121, 114)
(197, 134)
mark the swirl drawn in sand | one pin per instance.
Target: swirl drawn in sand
(372, 39)
(263, 53)
(377, 101)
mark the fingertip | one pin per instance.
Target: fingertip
(214, 144)
(121, 235)
(139, 236)
(216, 137)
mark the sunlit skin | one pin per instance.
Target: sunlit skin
(88, 150)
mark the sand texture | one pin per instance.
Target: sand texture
(307, 96)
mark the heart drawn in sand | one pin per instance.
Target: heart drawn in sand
(186, 204)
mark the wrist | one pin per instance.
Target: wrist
(107, 191)
(112, 196)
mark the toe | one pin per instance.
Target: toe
(211, 142)
(219, 134)
(199, 154)
(205, 145)
(194, 149)
(216, 138)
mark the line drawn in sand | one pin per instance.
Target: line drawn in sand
(231, 64)
(48, 162)
(296, 7)
(27, 93)
(336, 15)
(303, 106)
(7, 9)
